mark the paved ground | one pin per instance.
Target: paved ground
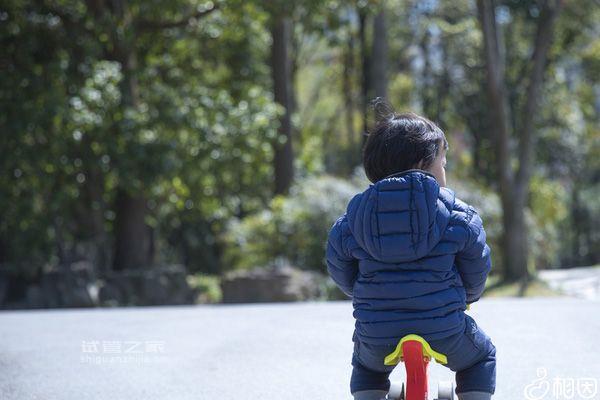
(277, 351)
(583, 282)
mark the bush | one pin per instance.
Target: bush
(548, 212)
(295, 227)
(207, 287)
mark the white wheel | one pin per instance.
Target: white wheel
(445, 390)
(396, 391)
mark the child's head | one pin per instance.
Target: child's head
(405, 141)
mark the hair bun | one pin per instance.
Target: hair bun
(382, 109)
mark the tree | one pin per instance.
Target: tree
(138, 132)
(134, 247)
(380, 55)
(513, 185)
(363, 17)
(281, 69)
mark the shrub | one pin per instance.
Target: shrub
(294, 227)
(207, 287)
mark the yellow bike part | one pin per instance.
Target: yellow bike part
(396, 356)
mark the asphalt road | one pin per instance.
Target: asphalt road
(274, 351)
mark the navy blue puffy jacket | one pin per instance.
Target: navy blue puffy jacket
(411, 255)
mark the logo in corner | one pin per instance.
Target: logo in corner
(539, 388)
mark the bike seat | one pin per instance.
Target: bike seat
(397, 355)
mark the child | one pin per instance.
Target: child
(412, 256)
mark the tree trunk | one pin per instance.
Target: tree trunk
(3, 250)
(543, 40)
(513, 267)
(515, 237)
(576, 220)
(348, 90)
(427, 100)
(133, 238)
(133, 244)
(514, 187)
(94, 190)
(444, 83)
(380, 56)
(282, 91)
(349, 94)
(365, 62)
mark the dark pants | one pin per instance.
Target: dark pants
(471, 354)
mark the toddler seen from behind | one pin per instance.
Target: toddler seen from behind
(411, 255)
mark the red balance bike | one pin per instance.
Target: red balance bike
(416, 353)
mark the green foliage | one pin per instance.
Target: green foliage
(208, 288)
(294, 227)
(487, 204)
(92, 102)
(549, 212)
(195, 142)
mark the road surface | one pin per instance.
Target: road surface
(583, 282)
(269, 351)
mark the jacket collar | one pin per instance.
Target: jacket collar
(409, 171)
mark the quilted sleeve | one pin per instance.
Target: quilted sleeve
(341, 266)
(473, 261)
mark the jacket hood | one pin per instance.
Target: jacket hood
(401, 217)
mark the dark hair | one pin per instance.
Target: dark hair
(399, 142)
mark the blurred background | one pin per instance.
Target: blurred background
(184, 151)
